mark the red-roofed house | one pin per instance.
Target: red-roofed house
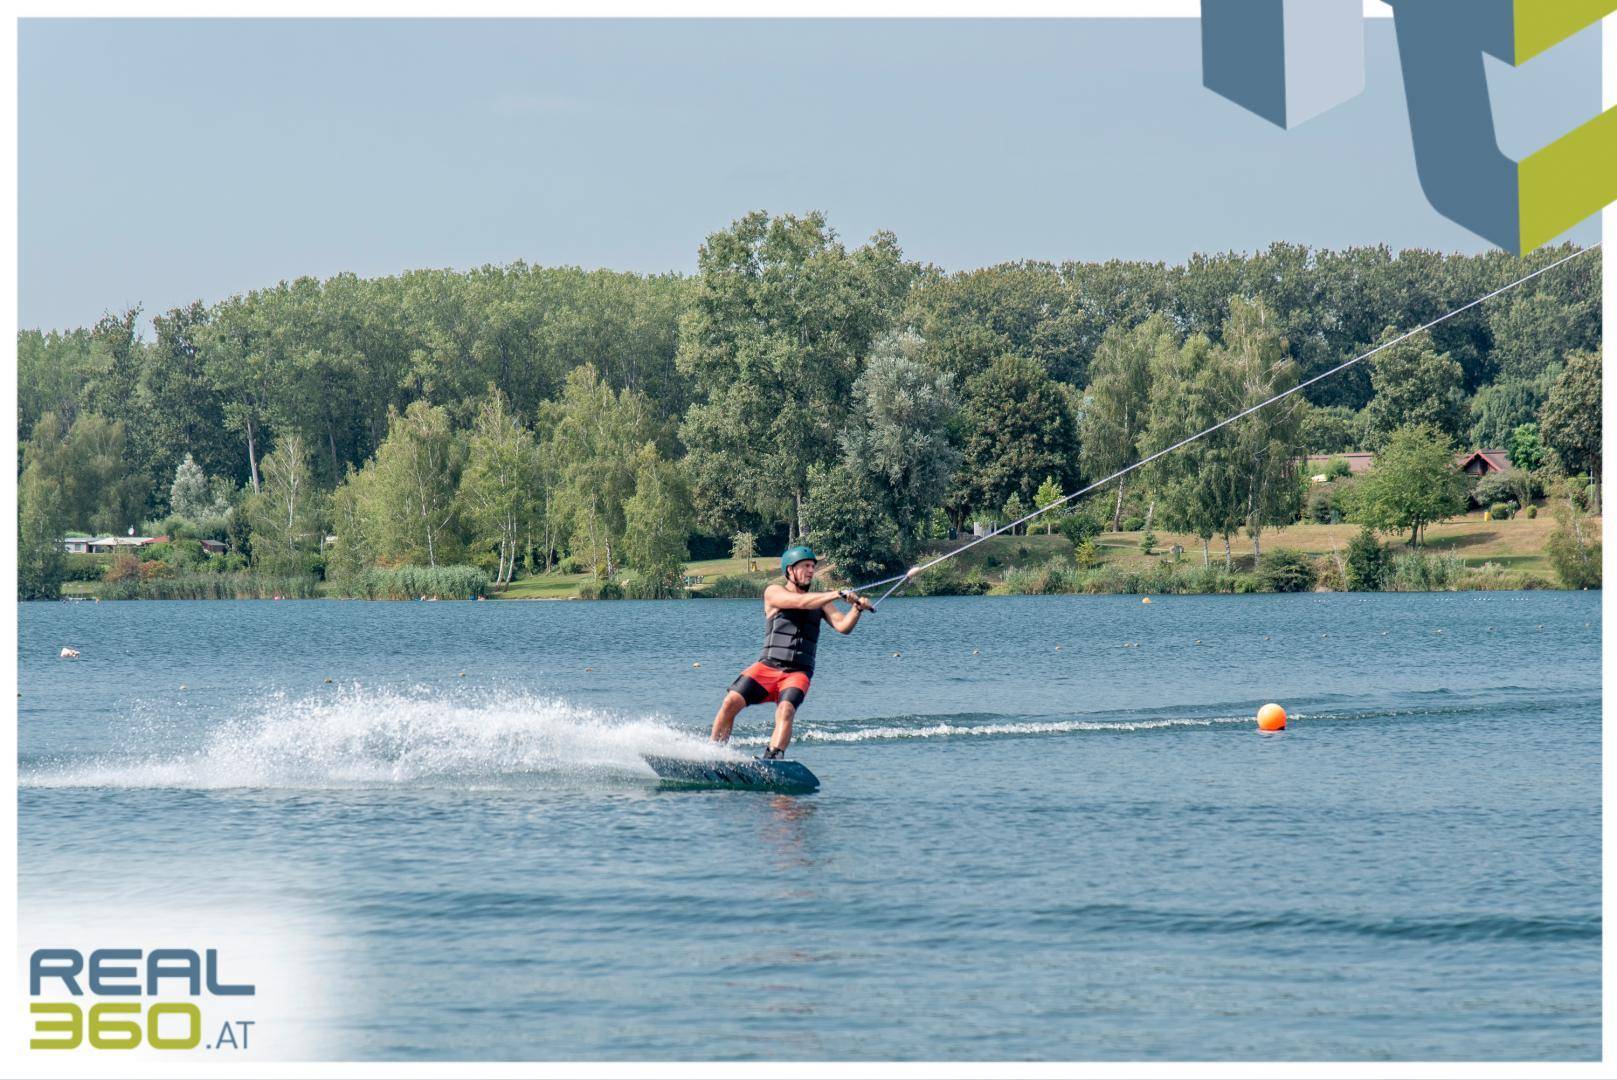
(1483, 462)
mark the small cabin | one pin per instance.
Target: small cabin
(1483, 462)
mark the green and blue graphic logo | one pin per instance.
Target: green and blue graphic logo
(1290, 60)
(64, 987)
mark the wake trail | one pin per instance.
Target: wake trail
(361, 736)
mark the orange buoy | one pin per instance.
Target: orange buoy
(1145, 599)
(1271, 718)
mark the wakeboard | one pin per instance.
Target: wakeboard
(775, 774)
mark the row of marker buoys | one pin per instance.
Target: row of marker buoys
(1271, 718)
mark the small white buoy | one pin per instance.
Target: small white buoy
(69, 653)
(328, 678)
(182, 686)
(698, 663)
(463, 674)
(974, 652)
(898, 654)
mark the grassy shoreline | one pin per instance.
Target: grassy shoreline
(1494, 553)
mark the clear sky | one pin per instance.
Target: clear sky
(163, 161)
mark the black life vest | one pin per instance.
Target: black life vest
(790, 637)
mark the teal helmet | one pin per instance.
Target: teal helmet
(796, 554)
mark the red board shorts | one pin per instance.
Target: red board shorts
(761, 683)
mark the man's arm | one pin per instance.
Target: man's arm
(779, 596)
(843, 621)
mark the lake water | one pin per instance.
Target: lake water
(1035, 840)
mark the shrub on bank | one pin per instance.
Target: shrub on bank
(1419, 571)
(1047, 579)
(1367, 562)
(210, 586)
(734, 587)
(414, 582)
(1491, 577)
(947, 579)
(642, 586)
(80, 566)
(1078, 526)
(610, 589)
(1284, 570)
(1163, 579)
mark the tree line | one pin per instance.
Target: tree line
(794, 386)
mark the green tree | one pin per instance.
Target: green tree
(897, 434)
(1117, 402)
(1414, 384)
(1570, 421)
(408, 492)
(1029, 309)
(199, 499)
(1573, 548)
(355, 548)
(658, 520)
(118, 392)
(52, 372)
(596, 436)
(1049, 494)
(1260, 451)
(500, 490)
(848, 525)
(245, 369)
(1367, 562)
(187, 419)
(40, 524)
(88, 467)
(1535, 331)
(744, 546)
(782, 317)
(1329, 429)
(115, 390)
(1413, 483)
(284, 518)
(1525, 449)
(1018, 430)
(1193, 484)
(1499, 409)
(1014, 510)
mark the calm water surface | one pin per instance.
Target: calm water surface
(1034, 839)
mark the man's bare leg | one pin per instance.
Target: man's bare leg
(782, 737)
(726, 718)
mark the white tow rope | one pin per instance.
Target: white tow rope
(897, 580)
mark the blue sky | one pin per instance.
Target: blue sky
(162, 161)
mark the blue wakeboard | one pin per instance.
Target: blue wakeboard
(776, 774)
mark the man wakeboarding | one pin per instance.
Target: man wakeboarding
(792, 617)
